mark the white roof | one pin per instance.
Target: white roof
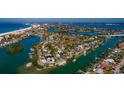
(100, 71)
(109, 60)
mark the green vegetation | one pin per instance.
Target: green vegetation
(34, 62)
(122, 70)
(15, 48)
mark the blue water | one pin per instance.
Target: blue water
(51, 30)
(6, 27)
(11, 63)
(82, 33)
(83, 61)
(115, 26)
(76, 33)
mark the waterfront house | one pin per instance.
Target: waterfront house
(109, 60)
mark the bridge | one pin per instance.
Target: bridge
(117, 35)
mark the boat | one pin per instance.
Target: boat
(74, 60)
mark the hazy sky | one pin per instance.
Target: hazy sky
(92, 20)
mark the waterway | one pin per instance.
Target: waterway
(75, 32)
(83, 61)
(7, 27)
(9, 63)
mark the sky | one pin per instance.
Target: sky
(85, 20)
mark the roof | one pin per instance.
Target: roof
(102, 65)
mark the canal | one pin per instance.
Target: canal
(83, 61)
(10, 64)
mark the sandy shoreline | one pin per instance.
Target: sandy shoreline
(10, 32)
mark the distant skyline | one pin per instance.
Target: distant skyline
(84, 20)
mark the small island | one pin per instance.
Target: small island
(15, 48)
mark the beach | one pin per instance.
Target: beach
(15, 31)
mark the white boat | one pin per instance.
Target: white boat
(74, 60)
